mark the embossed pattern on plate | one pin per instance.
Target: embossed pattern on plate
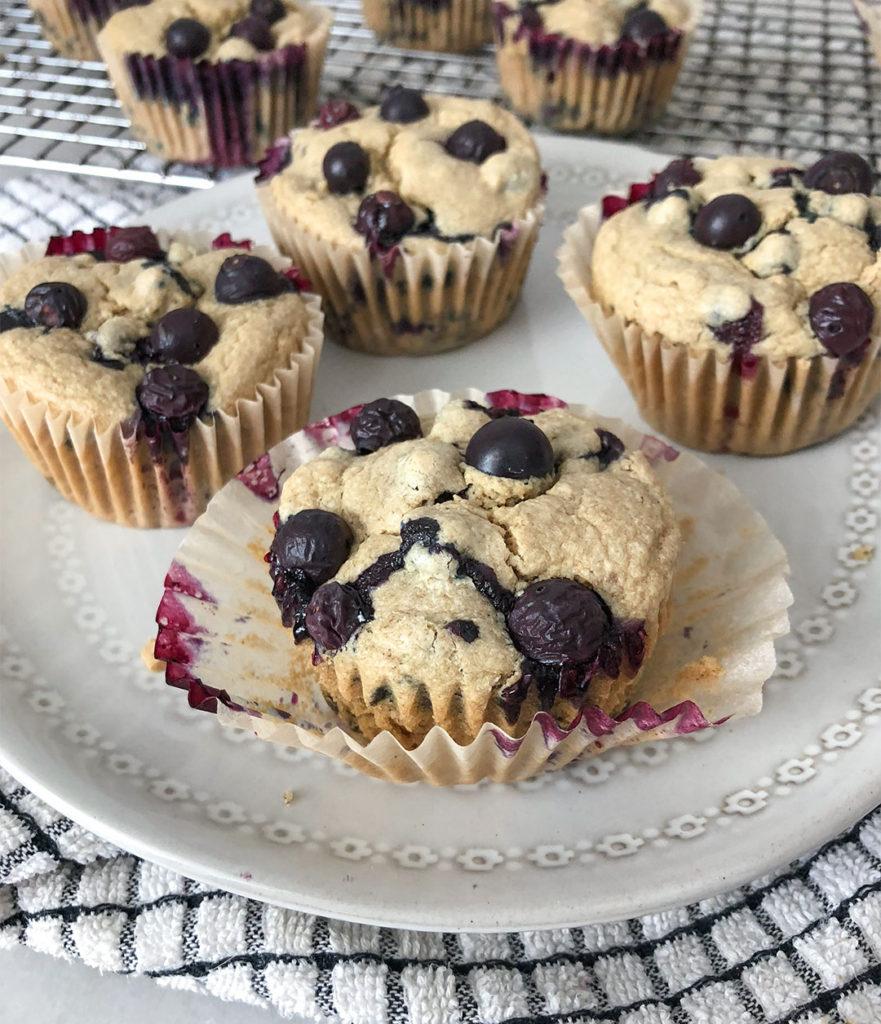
(84, 724)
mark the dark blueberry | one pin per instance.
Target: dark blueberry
(172, 392)
(403, 106)
(611, 448)
(334, 112)
(840, 172)
(126, 244)
(333, 615)
(244, 278)
(530, 17)
(841, 316)
(465, 629)
(268, 10)
(677, 174)
(256, 31)
(873, 231)
(726, 222)
(384, 218)
(475, 141)
(11, 318)
(315, 541)
(346, 167)
(558, 622)
(784, 177)
(181, 336)
(510, 447)
(186, 37)
(383, 422)
(742, 334)
(643, 24)
(55, 304)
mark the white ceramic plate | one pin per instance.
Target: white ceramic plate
(85, 726)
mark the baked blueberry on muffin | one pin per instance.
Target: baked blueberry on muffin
(216, 81)
(414, 220)
(139, 373)
(516, 564)
(452, 26)
(738, 298)
(72, 25)
(591, 65)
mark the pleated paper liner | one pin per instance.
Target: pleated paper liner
(428, 299)
(221, 636)
(453, 26)
(698, 399)
(557, 81)
(224, 113)
(67, 30)
(113, 475)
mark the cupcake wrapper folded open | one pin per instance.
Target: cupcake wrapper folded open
(221, 636)
(447, 26)
(114, 476)
(698, 398)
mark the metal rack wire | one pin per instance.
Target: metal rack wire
(788, 76)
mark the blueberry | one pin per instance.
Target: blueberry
(403, 106)
(679, 173)
(465, 629)
(334, 112)
(255, 31)
(181, 336)
(841, 316)
(126, 244)
(334, 613)
(315, 541)
(186, 37)
(55, 304)
(475, 141)
(346, 167)
(727, 221)
(384, 218)
(244, 278)
(269, 10)
(510, 447)
(642, 25)
(530, 17)
(840, 172)
(383, 422)
(10, 318)
(172, 392)
(558, 622)
(611, 448)
(784, 177)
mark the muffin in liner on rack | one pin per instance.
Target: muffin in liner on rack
(414, 220)
(446, 26)
(869, 13)
(216, 81)
(140, 371)
(514, 602)
(591, 65)
(71, 26)
(738, 298)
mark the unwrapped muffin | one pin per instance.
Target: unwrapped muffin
(216, 81)
(139, 373)
(72, 25)
(451, 26)
(515, 564)
(738, 298)
(591, 65)
(414, 220)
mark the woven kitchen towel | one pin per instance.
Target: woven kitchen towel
(803, 946)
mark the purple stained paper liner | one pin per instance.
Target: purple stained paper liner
(445, 26)
(71, 25)
(221, 635)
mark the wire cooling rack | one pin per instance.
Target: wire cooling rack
(793, 77)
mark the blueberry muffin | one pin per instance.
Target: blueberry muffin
(738, 297)
(139, 373)
(414, 220)
(517, 564)
(216, 81)
(591, 65)
(451, 26)
(72, 25)
(869, 13)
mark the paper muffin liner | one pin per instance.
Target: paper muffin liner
(224, 113)
(221, 636)
(71, 27)
(111, 473)
(701, 399)
(449, 26)
(869, 13)
(420, 302)
(568, 85)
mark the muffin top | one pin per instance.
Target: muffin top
(603, 22)
(417, 169)
(129, 327)
(748, 256)
(213, 30)
(504, 546)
